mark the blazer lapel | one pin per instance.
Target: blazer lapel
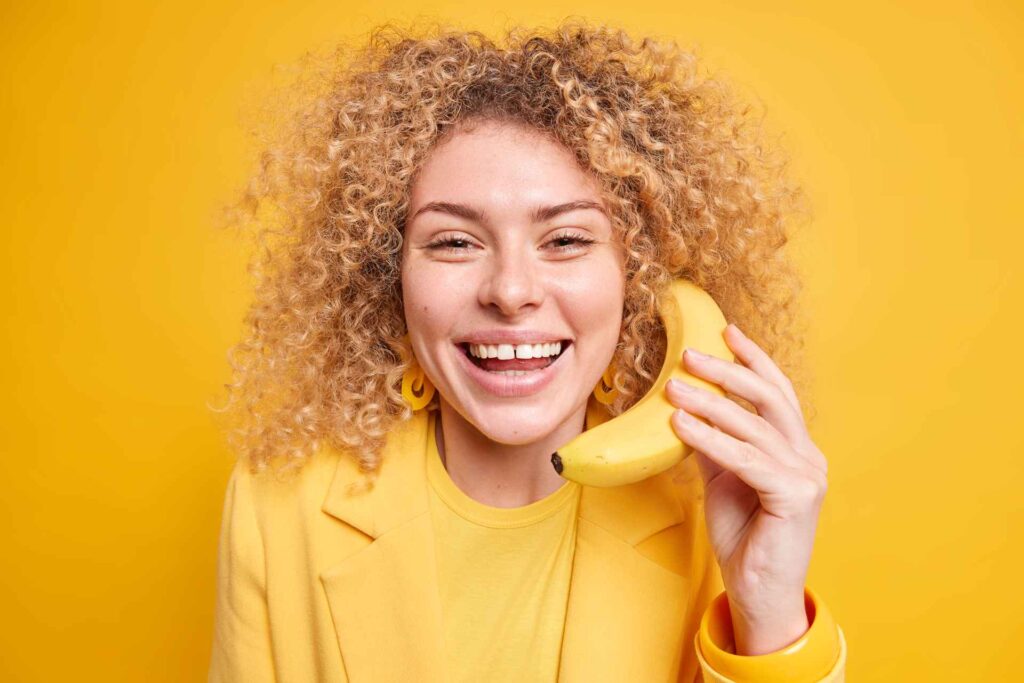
(624, 615)
(384, 598)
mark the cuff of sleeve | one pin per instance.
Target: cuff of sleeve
(809, 659)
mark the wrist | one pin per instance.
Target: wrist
(772, 630)
(813, 656)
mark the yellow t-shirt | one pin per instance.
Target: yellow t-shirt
(504, 578)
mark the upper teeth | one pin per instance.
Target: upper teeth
(509, 351)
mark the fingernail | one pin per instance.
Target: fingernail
(679, 385)
(695, 353)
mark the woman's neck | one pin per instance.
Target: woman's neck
(496, 474)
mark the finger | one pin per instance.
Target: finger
(770, 402)
(755, 358)
(739, 423)
(759, 471)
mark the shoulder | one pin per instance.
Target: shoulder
(272, 494)
(330, 474)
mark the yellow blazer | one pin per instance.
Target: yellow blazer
(315, 584)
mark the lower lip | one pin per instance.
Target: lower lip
(512, 386)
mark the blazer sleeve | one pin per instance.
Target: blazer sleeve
(819, 656)
(241, 636)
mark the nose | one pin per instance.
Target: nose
(512, 285)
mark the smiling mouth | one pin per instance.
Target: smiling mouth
(514, 365)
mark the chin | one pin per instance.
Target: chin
(516, 426)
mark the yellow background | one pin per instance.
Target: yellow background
(121, 130)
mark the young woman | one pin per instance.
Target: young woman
(461, 239)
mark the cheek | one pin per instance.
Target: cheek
(431, 305)
(415, 305)
(420, 289)
(597, 326)
(596, 303)
(421, 316)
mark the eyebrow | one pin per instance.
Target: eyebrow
(539, 215)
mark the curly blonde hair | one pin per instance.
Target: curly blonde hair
(693, 190)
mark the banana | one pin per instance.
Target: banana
(640, 442)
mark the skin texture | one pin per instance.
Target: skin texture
(764, 484)
(764, 478)
(509, 272)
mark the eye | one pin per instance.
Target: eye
(570, 238)
(450, 243)
(563, 242)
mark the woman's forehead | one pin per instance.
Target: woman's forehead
(501, 163)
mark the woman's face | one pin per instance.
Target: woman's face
(530, 260)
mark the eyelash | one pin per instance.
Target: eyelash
(448, 242)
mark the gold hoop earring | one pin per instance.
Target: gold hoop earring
(417, 390)
(605, 391)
